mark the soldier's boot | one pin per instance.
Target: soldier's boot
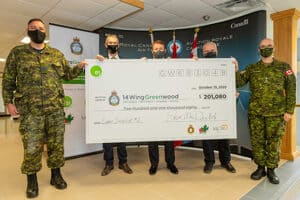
(32, 186)
(57, 180)
(258, 173)
(273, 178)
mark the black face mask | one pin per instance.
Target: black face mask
(36, 36)
(159, 54)
(266, 52)
(112, 48)
(211, 54)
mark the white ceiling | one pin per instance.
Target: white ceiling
(93, 14)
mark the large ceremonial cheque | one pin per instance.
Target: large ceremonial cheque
(160, 99)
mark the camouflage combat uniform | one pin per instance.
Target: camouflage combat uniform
(33, 82)
(273, 93)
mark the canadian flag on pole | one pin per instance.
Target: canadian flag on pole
(174, 46)
(174, 55)
(194, 52)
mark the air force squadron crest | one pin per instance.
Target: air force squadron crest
(76, 47)
(114, 99)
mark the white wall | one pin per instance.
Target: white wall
(269, 22)
(2, 108)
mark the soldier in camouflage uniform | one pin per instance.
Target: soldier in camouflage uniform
(32, 87)
(272, 102)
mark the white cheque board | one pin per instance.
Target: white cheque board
(131, 100)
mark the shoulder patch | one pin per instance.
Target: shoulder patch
(288, 72)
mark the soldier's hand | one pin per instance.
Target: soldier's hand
(82, 64)
(287, 117)
(12, 110)
(100, 57)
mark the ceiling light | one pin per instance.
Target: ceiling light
(2, 59)
(25, 40)
(235, 6)
(206, 17)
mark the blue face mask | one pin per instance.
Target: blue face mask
(159, 54)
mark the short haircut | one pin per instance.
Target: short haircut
(35, 19)
(210, 43)
(158, 42)
(111, 36)
(267, 39)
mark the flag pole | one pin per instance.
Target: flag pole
(151, 35)
(174, 48)
(194, 51)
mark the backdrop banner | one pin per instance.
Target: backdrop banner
(238, 37)
(76, 45)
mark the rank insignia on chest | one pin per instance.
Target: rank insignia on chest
(44, 69)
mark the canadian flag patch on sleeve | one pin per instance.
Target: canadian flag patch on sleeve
(288, 72)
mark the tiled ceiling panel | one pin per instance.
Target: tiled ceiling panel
(90, 10)
(105, 17)
(59, 16)
(212, 13)
(156, 3)
(93, 14)
(27, 8)
(44, 3)
(175, 23)
(125, 8)
(107, 3)
(130, 23)
(182, 8)
(154, 16)
(214, 2)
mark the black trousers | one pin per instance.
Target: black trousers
(109, 153)
(223, 148)
(154, 154)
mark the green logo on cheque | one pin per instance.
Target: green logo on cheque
(68, 101)
(96, 71)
